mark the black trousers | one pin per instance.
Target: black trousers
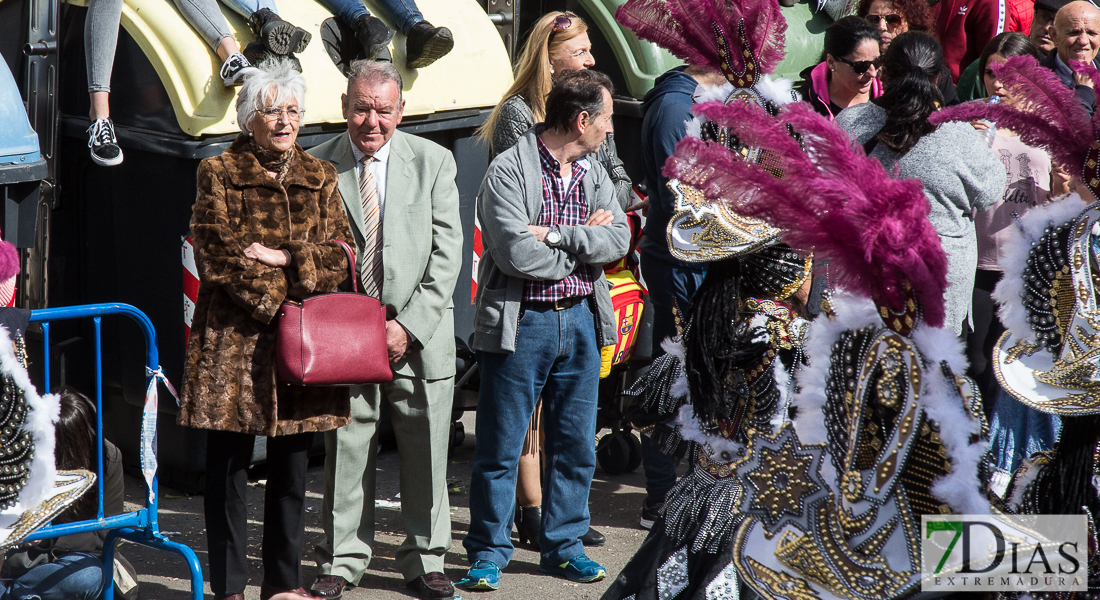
(228, 455)
(981, 342)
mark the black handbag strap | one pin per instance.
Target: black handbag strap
(351, 264)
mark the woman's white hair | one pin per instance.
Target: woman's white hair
(273, 77)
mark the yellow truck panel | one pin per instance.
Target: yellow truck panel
(474, 75)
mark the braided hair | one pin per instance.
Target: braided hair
(718, 343)
(1066, 483)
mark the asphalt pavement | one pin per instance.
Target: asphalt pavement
(615, 504)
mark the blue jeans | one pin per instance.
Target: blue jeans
(403, 13)
(666, 282)
(76, 576)
(558, 355)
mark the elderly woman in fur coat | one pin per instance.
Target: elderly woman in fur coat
(267, 224)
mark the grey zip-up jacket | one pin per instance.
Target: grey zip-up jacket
(511, 199)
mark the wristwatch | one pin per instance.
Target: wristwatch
(553, 237)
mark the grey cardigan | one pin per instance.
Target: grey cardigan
(960, 175)
(510, 199)
(516, 118)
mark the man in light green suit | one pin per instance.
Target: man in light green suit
(401, 200)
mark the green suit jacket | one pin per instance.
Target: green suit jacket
(422, 243)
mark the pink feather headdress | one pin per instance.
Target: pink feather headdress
(1047, 114)
(831, 199)
(743, 39)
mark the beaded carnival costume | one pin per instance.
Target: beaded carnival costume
(1049, 357)
(728, 374)
(883, 430)
(32, 490)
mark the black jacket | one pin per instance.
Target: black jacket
(1084, 93)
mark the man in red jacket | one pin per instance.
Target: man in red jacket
(964, 27)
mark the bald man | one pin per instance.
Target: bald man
(1076, 35)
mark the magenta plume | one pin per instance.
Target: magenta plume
(831, 199)
(1046, 114)
(693, 29)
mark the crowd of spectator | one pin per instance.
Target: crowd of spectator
(270, 220)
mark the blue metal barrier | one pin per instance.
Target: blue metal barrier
(140, 526)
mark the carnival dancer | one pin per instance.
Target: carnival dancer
(1048, 358)
(885, 428)
(728, 376)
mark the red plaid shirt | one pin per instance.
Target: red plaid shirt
(561, 207)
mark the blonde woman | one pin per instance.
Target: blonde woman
(558, 42)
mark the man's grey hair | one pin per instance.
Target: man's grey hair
(274, 83)
(375, 72)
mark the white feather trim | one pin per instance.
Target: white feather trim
(1009, 292)
(1026, 474)
(852, 312)
(779, 90)
(42, 413)
(940, 401)
(712, 93)
(679, 387)
(690, 431)
(783, 384)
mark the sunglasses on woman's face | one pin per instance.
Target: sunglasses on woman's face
(861, 66)
(893, 20)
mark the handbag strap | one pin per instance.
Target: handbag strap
(351, 264)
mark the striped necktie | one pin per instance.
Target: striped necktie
(372, 274)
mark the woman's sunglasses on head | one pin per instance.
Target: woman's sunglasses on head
(563, 21)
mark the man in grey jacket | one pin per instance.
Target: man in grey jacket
(549, 221)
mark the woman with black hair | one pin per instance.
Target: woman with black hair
(959, 172)
(847, 73)
(1032, 181)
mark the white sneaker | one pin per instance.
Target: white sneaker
(235, 69)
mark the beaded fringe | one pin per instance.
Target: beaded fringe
(700, 510)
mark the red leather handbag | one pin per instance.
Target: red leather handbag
(334, 339)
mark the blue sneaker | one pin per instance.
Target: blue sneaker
(484, 575)
(579, 568)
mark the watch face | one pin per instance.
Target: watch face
(553, 237)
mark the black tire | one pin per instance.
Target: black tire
(458, 435)
(613, 454)
(635, 452)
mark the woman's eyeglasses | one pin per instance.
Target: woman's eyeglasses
(272, 113)
(861, 66)
(893, 20)
(563, 21)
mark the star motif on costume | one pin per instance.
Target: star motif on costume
(783, 479)
(779, 490)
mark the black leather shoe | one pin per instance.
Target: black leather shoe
(433, 586)
(529, 525)
(329, 587)
(593, 538)
(426, 44)
(257, 54)
(276, 34)
(373, 35)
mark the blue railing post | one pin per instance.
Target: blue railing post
(140, 526)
